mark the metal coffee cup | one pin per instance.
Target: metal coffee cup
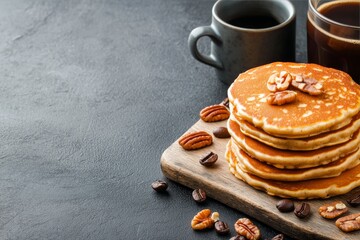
(241, 37)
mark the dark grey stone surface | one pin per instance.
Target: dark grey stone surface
(91, 94)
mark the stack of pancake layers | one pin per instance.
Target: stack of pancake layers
(305, 149)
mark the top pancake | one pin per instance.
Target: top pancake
(308, 115)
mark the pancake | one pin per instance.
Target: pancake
(301, 144)
(250, 165)
(332, 128)
(291, 159)
(309, 115)
(308, 189)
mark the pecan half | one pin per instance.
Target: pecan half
(195, 140)
(349, 223)
(202, 220)
(214, 113)
(279, 81)
(281, 98)
(307, 84)
(333, 210)
(245, 227)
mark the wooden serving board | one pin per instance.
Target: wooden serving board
(183, 167)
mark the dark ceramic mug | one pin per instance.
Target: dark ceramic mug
(246, 34)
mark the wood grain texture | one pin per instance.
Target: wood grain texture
(183, 167)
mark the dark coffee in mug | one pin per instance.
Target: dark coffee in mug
(336, 45)
(254, 22)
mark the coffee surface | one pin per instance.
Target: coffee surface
(255, 22)
(343, 12)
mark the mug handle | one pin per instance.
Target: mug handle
(194, 36)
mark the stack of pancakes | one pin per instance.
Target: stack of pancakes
(305, 149)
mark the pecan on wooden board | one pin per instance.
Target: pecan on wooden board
(349, 223)
(332, 210)
(195, 140)
(214, 113)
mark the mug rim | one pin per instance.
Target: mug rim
(287, 4)
(328, 20)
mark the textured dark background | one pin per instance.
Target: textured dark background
(91, 94)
